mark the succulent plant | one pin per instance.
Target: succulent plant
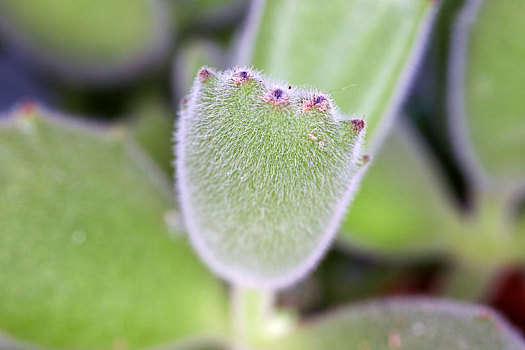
(265, 172)
(93, 253)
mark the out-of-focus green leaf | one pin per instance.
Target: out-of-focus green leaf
(410, 324)
(402, 206)
(87, 40)
(153, 129)
(360, 44)
(427, 102)
(487, 237)
(486, 110)
(86, 259)
(494, 86)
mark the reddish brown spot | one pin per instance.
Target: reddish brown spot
(242, 77)
(366, 158)
(358, 125)
(319, 102)
(276, 96)
(204, 74)
(28, 107)
(394, 340)
(484, 314)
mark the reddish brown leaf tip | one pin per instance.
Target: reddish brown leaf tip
(358, 125)
(319, 102)
(242, 77)
(276, 96)
(204, 74)
(28, 107)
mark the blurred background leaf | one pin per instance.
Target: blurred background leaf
(403, 207)
(87, 42)
(86, 259)
(152, 126)
(411, 324)
(369, 47)
(494, 106)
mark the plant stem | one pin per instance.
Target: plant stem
(251, 311)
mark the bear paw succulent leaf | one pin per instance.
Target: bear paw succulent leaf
(265, 172)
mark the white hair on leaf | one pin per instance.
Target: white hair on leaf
(264, 177)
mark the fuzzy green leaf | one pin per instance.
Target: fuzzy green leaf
(360, 44)
(152, 129)
(405, 324)
(86, 259)
(87, 41)
(265, 171)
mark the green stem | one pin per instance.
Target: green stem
(252, 311)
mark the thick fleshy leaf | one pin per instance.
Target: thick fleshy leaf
(370, 46)
(405, 324)
(86, 259)
(265, 172)
(488, 71)
(402, 206)
(152, 129)
(87, 41)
